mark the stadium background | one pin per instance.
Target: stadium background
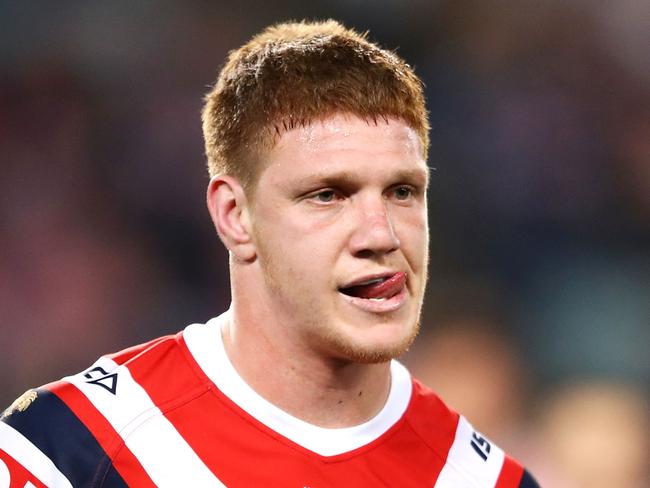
(537, 323)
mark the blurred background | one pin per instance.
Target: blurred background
(537, 321)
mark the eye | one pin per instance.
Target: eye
(325, 196)
(403, 192)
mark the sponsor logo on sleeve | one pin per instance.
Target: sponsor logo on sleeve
(100, 377)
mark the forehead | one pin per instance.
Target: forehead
(346, 125)
(346, 141)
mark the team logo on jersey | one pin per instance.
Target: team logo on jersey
(21, 403)
(100, 377)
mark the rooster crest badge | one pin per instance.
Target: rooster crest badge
(21, 403)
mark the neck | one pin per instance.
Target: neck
(323, 391)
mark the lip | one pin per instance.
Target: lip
(373, 306)
(370, 277)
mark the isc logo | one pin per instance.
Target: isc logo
(480, 445)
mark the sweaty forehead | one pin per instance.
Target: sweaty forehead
(342, 131)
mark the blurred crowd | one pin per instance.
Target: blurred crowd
(537, 321)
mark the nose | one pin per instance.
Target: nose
(374, 233)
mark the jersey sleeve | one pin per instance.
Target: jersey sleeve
(514, 475)
(474, 460)
(12, 465)
(527, 481)
(43, 443)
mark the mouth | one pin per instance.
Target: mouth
(377, 289)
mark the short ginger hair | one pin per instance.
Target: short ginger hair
(294, 73)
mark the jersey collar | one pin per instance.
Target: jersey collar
(206, 346)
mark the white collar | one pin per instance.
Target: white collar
(206, 346)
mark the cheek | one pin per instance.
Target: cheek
(319, 233)
(413, 233)
(302, 248)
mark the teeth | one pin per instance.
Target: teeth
(370, 282)
(377, 299)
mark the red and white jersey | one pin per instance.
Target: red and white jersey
(174, 412)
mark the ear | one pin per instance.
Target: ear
(228, 208)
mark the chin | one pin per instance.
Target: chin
(389, 343)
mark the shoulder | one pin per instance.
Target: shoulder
(469, 458)
(43, 441)
(69, 432)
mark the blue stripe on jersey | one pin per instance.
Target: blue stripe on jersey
(527, 481)
(52, 427)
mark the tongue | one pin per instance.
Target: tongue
(383, 289)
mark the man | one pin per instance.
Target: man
(317, 145)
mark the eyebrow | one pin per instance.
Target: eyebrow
(344, 177)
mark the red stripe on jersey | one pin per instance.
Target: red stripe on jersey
(437, 428)
(123, 356)
(163, 371)
(165, 374)
(126, 464)
(443, 447)
(510, 475)
(18, 474)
